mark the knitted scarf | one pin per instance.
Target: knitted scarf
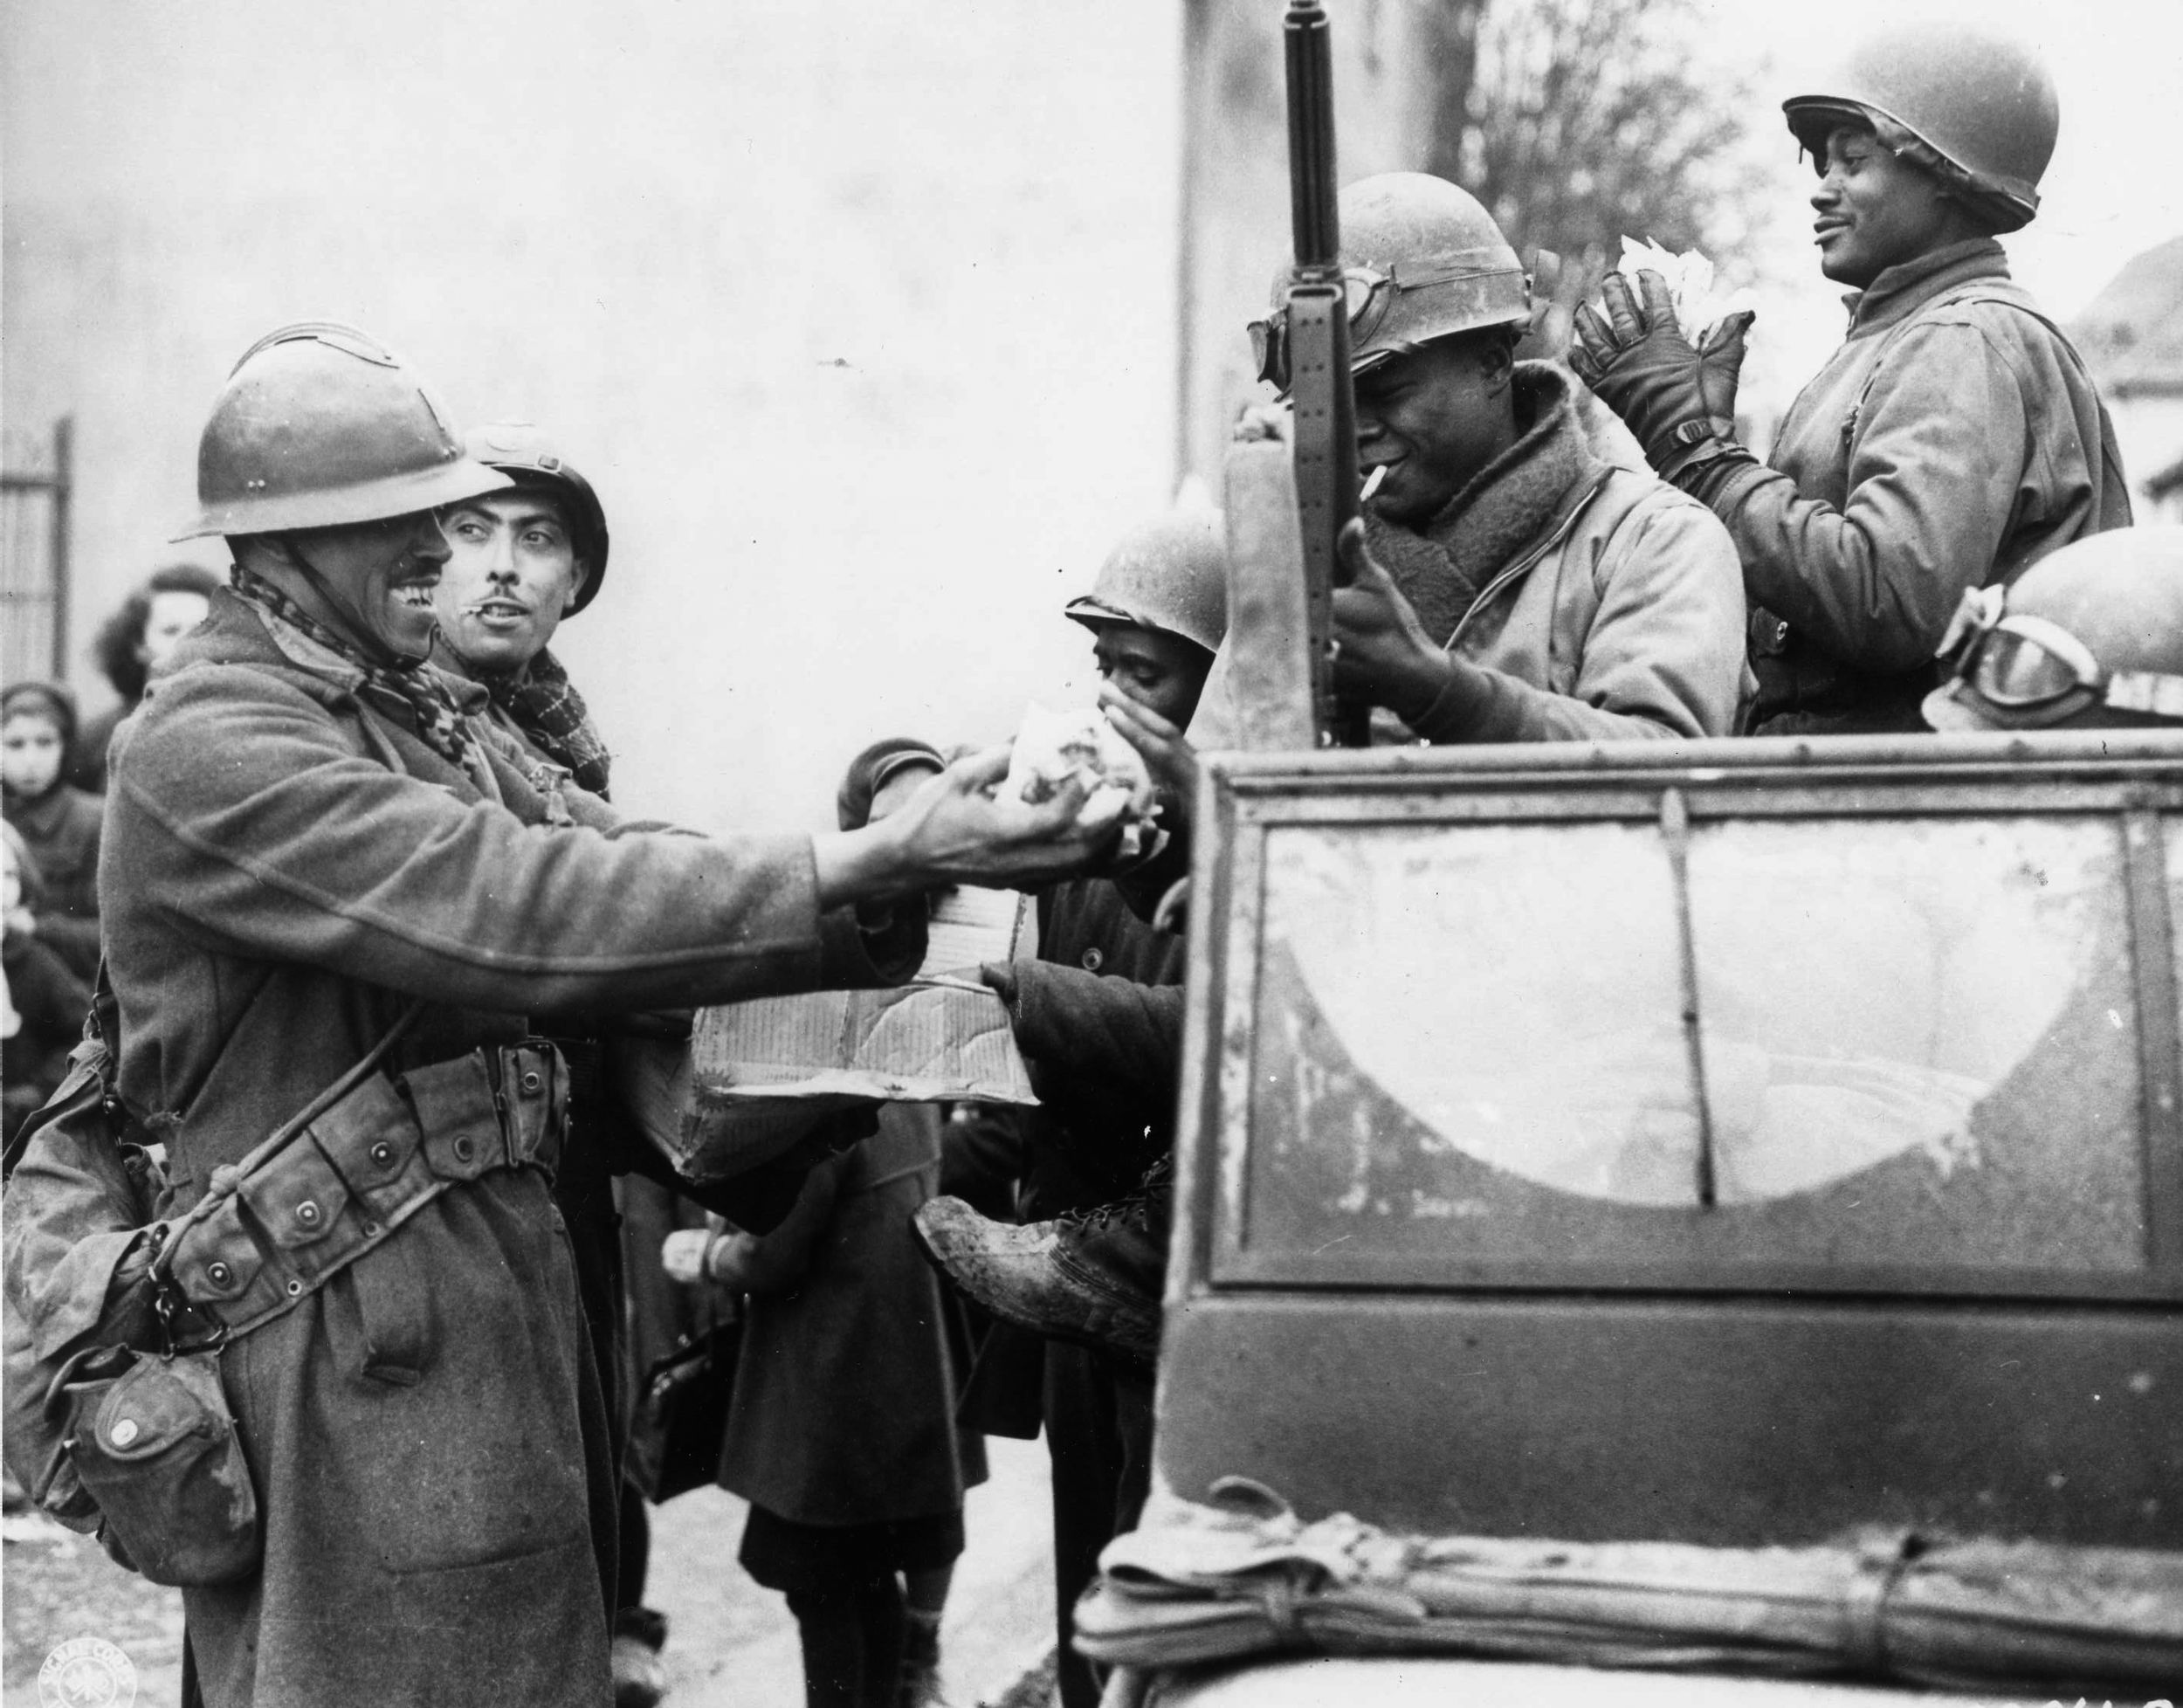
(413, 694)
(545, 705)
(1442, 568)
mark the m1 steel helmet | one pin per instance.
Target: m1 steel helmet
(321, 425)
(1170, 574)
(2091, 636)
(1421, 259)
(527, 456)
(1980, 103)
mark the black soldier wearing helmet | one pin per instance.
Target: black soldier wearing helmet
(1953, 441)
(1469, 619)
(1098, 1015)
(2088, 638)
(327, 887)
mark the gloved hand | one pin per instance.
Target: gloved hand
(1676, 399)
(1382, 655)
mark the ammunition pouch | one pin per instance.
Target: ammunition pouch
(268, 1238)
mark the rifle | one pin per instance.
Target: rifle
(1318, 335)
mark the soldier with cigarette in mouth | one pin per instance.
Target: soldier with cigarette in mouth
(1509, 584)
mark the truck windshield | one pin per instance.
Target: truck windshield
(1909, 1043)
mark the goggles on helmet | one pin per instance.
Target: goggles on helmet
(1368, 294)
(2033, 671)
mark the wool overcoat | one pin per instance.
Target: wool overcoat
(284, 869)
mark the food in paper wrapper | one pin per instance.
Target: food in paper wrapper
(1053, 747)
(1698, 307)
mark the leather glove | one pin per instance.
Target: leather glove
(1679, 402)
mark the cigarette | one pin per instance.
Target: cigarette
(1372, 483)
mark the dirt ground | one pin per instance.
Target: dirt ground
(731, 1643)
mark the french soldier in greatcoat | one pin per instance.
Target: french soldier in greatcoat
(310, 838)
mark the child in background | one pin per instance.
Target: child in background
(46, 1003)
(59, 823)
(842, 1434)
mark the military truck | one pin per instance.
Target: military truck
(1655, 1222)
(1714, 1205)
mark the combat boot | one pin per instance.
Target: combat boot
(1093, 1277)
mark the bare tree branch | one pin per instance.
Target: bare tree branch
(1577, 121)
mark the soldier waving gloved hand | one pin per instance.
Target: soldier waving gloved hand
(1675, 398)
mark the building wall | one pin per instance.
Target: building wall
(860, 315)
(1236, 177)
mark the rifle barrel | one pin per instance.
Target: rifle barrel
(1309, 56)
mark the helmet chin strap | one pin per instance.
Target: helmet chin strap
(366, 636)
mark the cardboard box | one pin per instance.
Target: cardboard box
(760, 1077)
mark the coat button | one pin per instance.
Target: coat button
(463, 1148)
(1094, 958)
(218, 1274)
(125, 1432)
(307, 1213)
(383, 1155)
(295, 1289)
(533, 1084)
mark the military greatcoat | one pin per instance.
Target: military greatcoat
(284, 869)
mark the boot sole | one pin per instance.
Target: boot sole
(991, 1305)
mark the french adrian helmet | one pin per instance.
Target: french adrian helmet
(321, 425)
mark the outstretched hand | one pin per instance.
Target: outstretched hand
(1558, 289)
(1382, 654)
(959, 828)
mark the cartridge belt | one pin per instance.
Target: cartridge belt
(359, 1171)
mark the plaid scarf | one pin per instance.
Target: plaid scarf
(415, 695)
(545, 705)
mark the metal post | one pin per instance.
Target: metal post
(63, 490)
